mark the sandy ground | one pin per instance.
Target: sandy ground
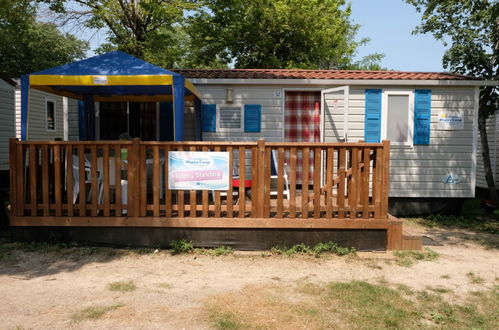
(43, 292)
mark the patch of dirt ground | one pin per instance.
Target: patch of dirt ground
(46, 291)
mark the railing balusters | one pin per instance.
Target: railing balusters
(117, 180)
(192, 197)
(317, 182)
(341, 184)
(267, 182)
(329, 182)
(230, 196)
(57, 180)
(69, 179)
(168, 193)
(344, 192)
(292, 182)
(280, 181)
(304, 182)
(155, 181)
(205, 197)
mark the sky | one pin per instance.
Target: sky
(389, 25)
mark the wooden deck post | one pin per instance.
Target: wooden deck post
(260, 179)
(134, 179)
(385, 179)
(13, 175)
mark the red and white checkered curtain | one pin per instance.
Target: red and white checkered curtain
(302, 123)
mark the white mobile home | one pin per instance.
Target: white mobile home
(493, 138)
(430, 118)
(51, 116)
(6, 119)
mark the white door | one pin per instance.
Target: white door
(334, 126)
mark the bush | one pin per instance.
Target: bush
(181, 246)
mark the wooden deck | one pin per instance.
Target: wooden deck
(347, 186)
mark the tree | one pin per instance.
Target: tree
(315, 34)
(28, 46)
(143, 28)
(471, 29)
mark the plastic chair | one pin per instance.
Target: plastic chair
(274, 176)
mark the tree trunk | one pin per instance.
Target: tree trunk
(489, 175)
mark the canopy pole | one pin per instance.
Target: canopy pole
(197, 109)
(178, 106)
(24, 106)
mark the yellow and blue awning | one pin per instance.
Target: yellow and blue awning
(111, 76)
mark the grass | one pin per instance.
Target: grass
(317, 250)
(474, 279)
(122, 286)
(181, 246)
(165, 285)
(473, 223)
(409, 258)
(350, 305)
(93, 312)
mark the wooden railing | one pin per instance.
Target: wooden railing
(129, 179)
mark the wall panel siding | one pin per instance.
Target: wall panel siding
(493, 137)
(272, 126)
(417, 171)
(73, 129)
(420, 170)
(37, 124)
(7, 122)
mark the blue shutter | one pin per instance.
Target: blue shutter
(372, 125)
(252, 118)
(209, 117)
(422, 116)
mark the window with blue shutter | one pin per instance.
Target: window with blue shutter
(372, 125)
(209, 117)
(422, 116)
(252, 118)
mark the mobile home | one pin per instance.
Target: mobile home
(6, 122)
(430, 119)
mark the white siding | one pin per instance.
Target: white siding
(272, 125)
(493, 137)
(73, 130)
(37, 122)
(417, 171)
(420, 171)
(7, 121)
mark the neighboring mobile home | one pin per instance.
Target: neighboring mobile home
(430, 119)
(6, 122)
(493, 138)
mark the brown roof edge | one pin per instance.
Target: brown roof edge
(8, 80)
(317, 74)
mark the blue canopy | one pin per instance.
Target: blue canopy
(114, 76)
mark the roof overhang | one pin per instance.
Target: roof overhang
(351, 82)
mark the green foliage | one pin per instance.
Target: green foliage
(317, 250)
(181, 246)
(409, 258)
(28, 46)
(472, 208)
(94, 312)
(225, 321)
(274, 33)
(475, 224)
(148, 29)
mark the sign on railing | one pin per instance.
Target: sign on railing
(197, 170)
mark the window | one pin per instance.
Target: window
(398, 117)
(50, 114)
(230, 118)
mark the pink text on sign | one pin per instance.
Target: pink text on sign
(181, 176)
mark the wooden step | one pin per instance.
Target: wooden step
(401, 239)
